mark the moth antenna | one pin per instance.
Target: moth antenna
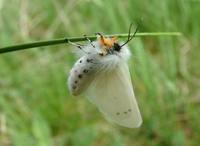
(129, 33)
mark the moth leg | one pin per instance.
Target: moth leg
(85, 36)
(76, 44)
(80, 46)
(100, 34)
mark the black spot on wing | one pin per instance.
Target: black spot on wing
(89, 60)
(125, 112)
(85, 71)
(80, 76)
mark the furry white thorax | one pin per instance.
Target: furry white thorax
(107, 62)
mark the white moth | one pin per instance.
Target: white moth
(103, 75)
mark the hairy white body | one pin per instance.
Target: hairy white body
(107, 83)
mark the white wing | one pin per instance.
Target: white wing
(82, 74)
(113, 94)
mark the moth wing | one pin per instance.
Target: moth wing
(113, 94)
(81, 75)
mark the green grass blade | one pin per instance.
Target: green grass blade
(77, 39)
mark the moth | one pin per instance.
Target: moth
(102, 74)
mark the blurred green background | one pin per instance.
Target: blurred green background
(36, 108)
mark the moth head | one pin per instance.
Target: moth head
(106, 41)
(108, 44)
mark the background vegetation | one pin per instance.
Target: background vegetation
(35, 106)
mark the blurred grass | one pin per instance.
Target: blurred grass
(34, 99)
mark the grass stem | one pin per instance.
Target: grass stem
(77, 39)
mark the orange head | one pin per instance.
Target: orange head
(107, 42)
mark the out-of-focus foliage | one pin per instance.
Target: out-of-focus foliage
(35, 106)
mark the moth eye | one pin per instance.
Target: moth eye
(80, 76)
(117, 47)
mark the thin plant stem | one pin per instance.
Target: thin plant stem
(77, 39)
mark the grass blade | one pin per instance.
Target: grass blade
(77, 39)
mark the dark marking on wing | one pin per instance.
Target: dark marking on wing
(85, 71)
(80, 76)
(89, 60)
